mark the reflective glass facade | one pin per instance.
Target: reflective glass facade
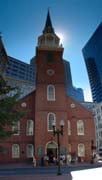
(92, 53)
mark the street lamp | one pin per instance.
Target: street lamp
(93, 148)
(58, 132)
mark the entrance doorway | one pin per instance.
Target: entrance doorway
(51, 151)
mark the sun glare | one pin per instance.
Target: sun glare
(61, 36)
(64, 38)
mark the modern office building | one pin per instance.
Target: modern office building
(75, 93)
(98, 122)
(96, 109)
(92, 53)
(22, 75)
(48, 105)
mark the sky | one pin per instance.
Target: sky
(22, 21)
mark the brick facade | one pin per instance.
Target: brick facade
(63, 107)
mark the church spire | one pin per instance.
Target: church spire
(48, 25)
(48, 39)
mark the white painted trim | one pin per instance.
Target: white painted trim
(49, 143)
(80, 133)
(48, 120)
(53, 98)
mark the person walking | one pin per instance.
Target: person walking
(34, 161)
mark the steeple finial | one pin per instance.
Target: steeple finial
(48, 25)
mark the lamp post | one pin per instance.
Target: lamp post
(93, 148)
(58, 132)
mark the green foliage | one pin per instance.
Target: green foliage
(9, 114)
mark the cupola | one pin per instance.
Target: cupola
(48, 38)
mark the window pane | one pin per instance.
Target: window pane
(29, 127)
(51, 119)
(30, 150)
(80, 127)
(81, 150)
(69, 128)
(16, 128)
(15, 151)
(50, 92)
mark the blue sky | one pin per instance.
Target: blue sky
(22, 21)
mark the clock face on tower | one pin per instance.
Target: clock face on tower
(50, 72)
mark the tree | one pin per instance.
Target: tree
(8, 108)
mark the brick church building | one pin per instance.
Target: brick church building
(49, 104)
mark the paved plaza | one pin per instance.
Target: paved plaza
(29, 168)
(28, 172)
(37, 177)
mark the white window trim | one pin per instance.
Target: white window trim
(79, 154)
(69, 127)
(18, 129)
(13, 154)
(27, 131)
(30, 156)
(48, 121)
(80, 133)
(48, 98)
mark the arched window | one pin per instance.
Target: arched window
(50, 119)
(69, 128)
(29, 130)
(15, 151)
(80, 127)
(81, 150)
(30, 150)
(51, 93)
(16, 128)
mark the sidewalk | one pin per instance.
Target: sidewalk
(15, 165)
(36, 177)
(30, 165)
(30, 176)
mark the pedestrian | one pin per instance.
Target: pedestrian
(54, 160)
(42, 161)
(46, 159)
(34, 161)
(68, 158)
(61, 159)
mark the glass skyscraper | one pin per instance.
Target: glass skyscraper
(92, 53)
